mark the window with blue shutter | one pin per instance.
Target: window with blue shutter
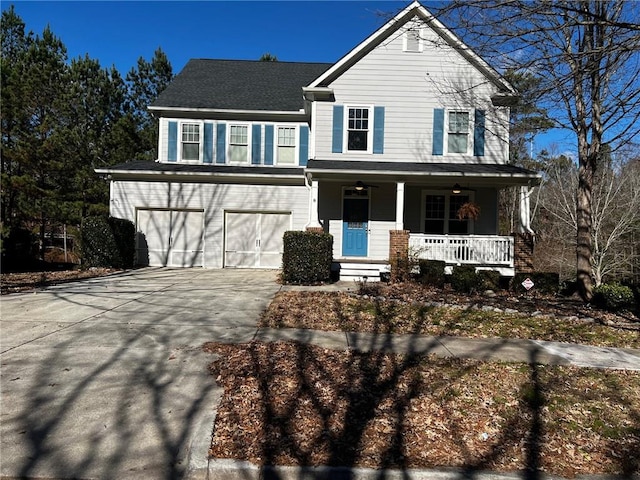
(378, 129)
(338, 119)
(256, 130)
(208, 143)
(172, 148)
(438, 131)
(304, 145)
(268, 144)
(478, 133)
(221, 147)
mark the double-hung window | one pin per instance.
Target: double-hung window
(286, 146)
(358, 133)
(238, 143)
(458, 132)
(441, 213)
(190, 142)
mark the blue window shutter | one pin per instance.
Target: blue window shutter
(438, 131)
(172, 150)
(378, 129)
(256, 130)
(208, 143)
(304, 145)
(478, 134)
(268, 144)
(338, 120)
(221, 143)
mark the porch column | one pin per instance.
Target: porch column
(399, 205)
(525, 210)
(314, 221)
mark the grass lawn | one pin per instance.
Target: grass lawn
(291, 404)
(344, 312)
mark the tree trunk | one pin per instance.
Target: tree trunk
(583, 217)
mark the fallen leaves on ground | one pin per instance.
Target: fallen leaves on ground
(434, 312)
(26, 281)
(295, 404)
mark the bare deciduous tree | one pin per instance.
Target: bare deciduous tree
(587, 55)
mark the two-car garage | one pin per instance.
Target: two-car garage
(176, 238)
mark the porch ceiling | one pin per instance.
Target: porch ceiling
(497, 175)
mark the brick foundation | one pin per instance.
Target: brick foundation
(315, 229)
(399, 254)
(523, 252)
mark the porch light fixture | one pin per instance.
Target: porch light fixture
(457, 188)
(360, 186)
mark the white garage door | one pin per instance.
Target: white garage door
(254, 240)
(172, 238)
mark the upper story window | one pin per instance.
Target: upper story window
(190, 141)
(286, 154)
(358, 133)
(458, 132)
(238, 143)
(412, 40)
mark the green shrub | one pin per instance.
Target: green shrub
(488, 280)
(544, 282)
(431, 272)
(108, 242)
(613, 297)
(464, 279)
(307, 257)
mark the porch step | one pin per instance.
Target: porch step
(360, 271)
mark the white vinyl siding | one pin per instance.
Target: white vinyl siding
(410, 87)
(286, 146)
(238, 144)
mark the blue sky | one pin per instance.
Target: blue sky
(119, 32)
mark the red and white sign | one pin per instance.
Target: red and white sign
(528, 284)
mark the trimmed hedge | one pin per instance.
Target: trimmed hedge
(464, 279)
(108, 242)
(613, 297)
(307, 257)
(432, 272)
(543, 282)
(488, 280)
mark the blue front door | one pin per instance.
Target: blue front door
(355, 225)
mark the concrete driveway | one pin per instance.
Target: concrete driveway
(105, 378)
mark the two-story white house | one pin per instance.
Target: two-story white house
(391, 140)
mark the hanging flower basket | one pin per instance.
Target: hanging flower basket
(468, 210)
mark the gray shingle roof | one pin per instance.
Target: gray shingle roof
(459, 169)
(143, 166)
(240, 85)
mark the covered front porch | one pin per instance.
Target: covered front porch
(376, 209)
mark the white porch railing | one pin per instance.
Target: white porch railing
(464, 249)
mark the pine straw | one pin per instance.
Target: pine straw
(294, 404)
(347, 312)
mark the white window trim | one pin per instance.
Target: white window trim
(405, 40)
(445, 147)
(296, 139)
(345, 133)
(228, 146)
(447, 203)
(200, 123)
